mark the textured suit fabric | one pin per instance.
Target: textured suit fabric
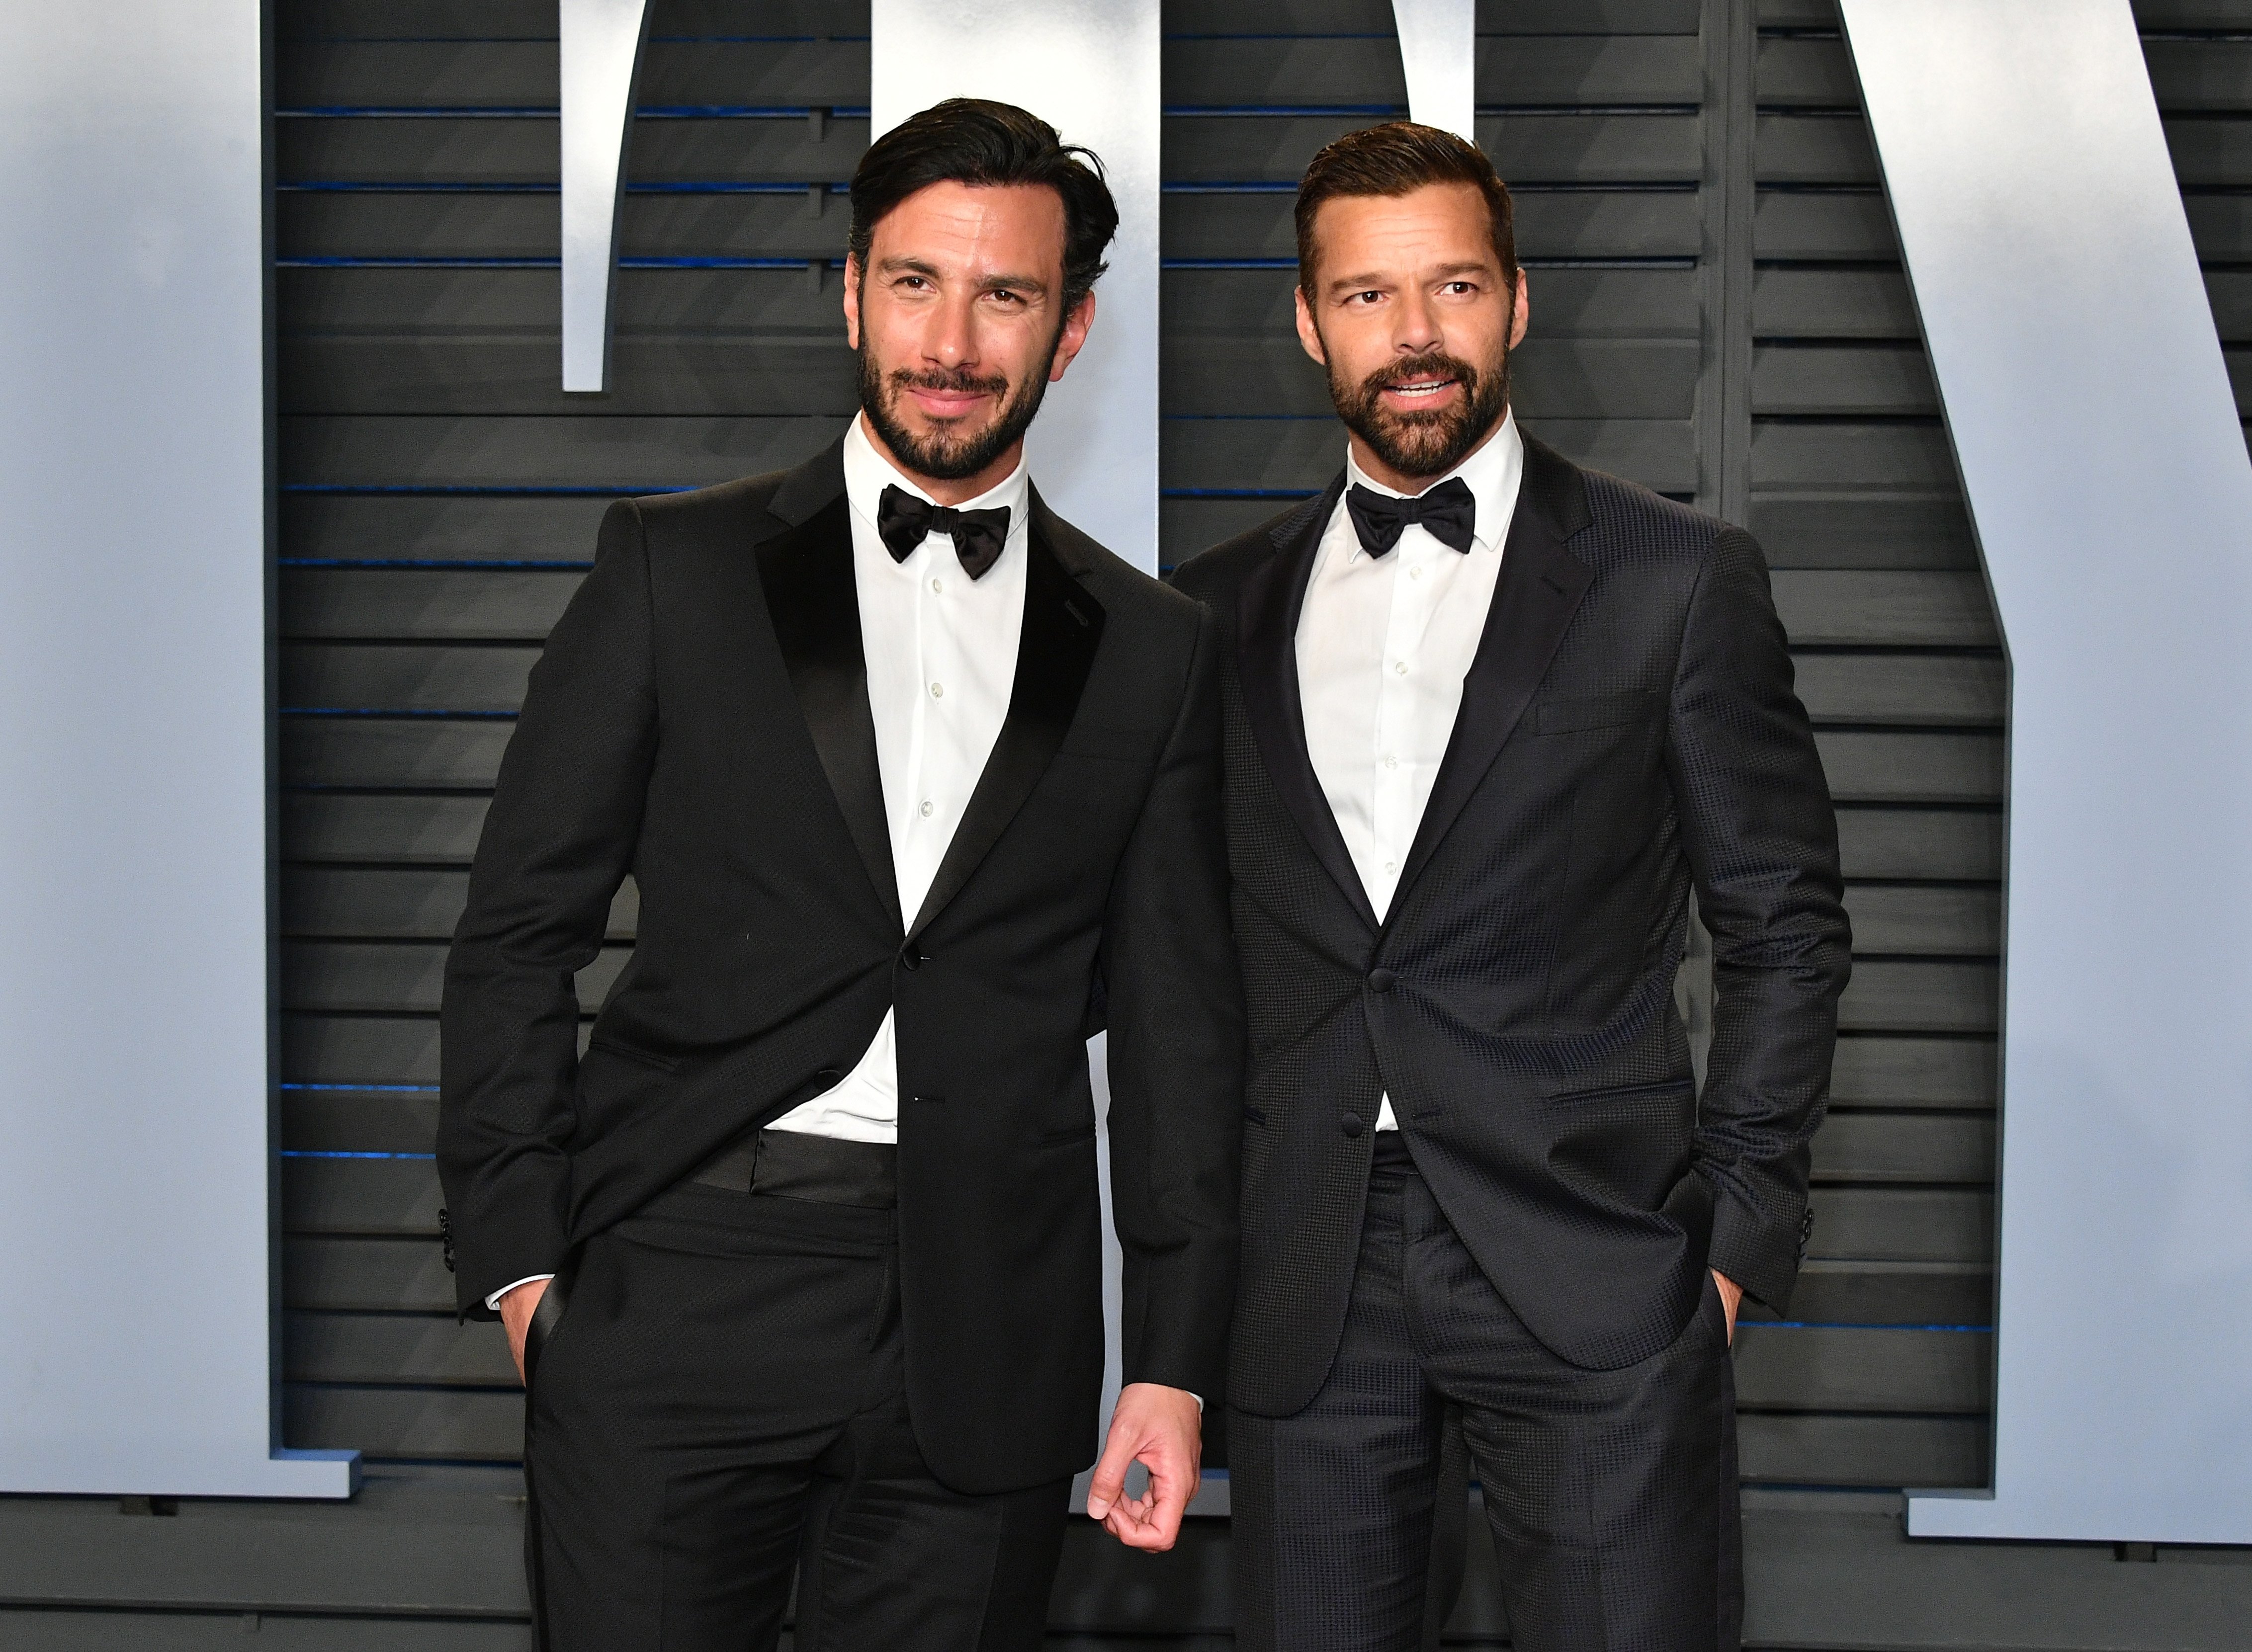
(699, 720)
(1611, 1495)
(1628, 731)
(682, 1471)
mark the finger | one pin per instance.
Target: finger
(1109, 1479)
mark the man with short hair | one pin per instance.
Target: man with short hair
(801, 1260)
(1491, 718)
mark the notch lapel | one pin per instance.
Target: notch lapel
(1266, 665)
(1061, 629)
(1540, 589)
(815, 605)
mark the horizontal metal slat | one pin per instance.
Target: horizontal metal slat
(1923, 995)
(336, 1120)
(1843, 529)
(1929, 919)
(397, 1197)
(590, 450)
(1863, 1451)
(1903, 1073)
(417, 603)
(398, 977)
(1804, 73)
(315, 223)
(407, 527)
(405, 676)
(1847, 1368)
(1902, 1225)
(1926, 690)
(1793, 458)
(1526, 148)
(1881, 767)
(1823, 225)
(1859, 1293)
(1854, 381)
(1270, 67)
(459, 1425)
(382, 1274)
(721, 376)
(395, 1347)
(522, 149)
(1904, 1147)
(399, 903)
(1913, 843)
(1909, 609)
(358, 1050)
(1834, 303)
(331, 827)
(1814, 148)
(406, 752)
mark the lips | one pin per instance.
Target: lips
(1420, 389)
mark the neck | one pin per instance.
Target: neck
(941, 488)
(1405, 481)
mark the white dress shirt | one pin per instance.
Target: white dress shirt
(941, 653)
(1383, 645)
(941, 656)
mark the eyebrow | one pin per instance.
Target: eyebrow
(991, 283)
(1445, 272)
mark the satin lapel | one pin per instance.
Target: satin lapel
(1266, 665)
(807, 571)
(1538, 593)
(1062, 627)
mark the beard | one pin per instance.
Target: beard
(1424, 444)
(949, 454)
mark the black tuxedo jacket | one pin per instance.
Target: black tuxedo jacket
(701, 720)
(1627, 730)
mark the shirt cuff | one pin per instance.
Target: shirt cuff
(493, 1301)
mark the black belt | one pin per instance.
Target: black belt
(821, 1169)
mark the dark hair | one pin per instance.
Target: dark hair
(972, 141)
(1394, 159)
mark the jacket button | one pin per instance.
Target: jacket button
(910, 958)
(1381, 980)
(1351, 1125)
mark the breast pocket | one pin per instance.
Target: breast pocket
(1578, 713)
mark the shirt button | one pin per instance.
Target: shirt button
(1415, 573)
(1389, 865)
(926, 809)
(938, 585)
(1399, 667)
(1391, 762)
(938, 690)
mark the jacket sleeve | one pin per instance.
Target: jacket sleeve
(1762, 846)
(1176, 1057)
(557, 842)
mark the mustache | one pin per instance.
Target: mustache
(1433, 364)
(960, 380)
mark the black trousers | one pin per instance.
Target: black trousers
(1612, 1495)
(721, 1405)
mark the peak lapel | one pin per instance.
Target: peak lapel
(1061, 629)
(1539, 591)
(815, 604)
(1266, 665)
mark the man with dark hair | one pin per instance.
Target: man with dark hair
(1491, 718)
(919, 787)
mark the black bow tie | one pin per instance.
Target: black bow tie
(1447, 513)
(904, 522)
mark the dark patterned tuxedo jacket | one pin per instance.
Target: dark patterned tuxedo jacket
(701, 720)
(1628, 731)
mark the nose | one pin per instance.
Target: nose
(1416, 326)
(952, 340)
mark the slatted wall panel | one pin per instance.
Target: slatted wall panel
(439, 501)
(440, 496)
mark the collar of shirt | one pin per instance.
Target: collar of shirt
(867, 473)
(1492, 473)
